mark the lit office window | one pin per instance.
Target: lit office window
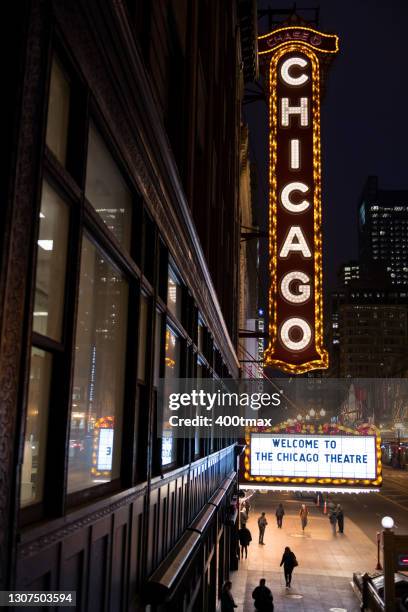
(141, 349)
(107, 190)
(172, 366)
(33, 468)
(99, 375)
(51, 261)
(174, 293)
(58, 112)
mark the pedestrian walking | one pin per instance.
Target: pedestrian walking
(247, 505)
(227, 600)
(262, 523)
(245, 538)
(243, 516)
(333, 520)
(279, 515)
(263, 597)
(303, 516)
(289, 562)
(340, 518)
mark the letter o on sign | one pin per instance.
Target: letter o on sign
(287, 326)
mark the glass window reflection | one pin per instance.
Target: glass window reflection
(58, 112)
(141, 351)
(171, 370)
(51, 261)
(174, 294)
(33, 468)
(97, 404)
(107, 190)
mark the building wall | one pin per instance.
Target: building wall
(372, 339)
(248, 264)
(121, 205)
(383, 230)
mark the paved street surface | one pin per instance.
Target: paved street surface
(326, 562)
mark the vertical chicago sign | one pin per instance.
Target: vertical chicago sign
(295, 58)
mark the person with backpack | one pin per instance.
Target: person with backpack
(289, 562)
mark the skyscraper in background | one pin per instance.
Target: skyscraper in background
(383, 230)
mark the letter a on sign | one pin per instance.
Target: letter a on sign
(294, 64)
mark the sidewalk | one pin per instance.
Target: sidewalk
(321, 582)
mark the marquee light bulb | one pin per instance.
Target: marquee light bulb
(301, 110)
(287, 65)
(304, 289)
(285, 197)
(287, 326)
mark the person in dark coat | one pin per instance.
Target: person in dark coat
(279, 515)
(245, 538)
(227, 600)
(340, 518)
(289, 562)
(333, 520)
(263, 597)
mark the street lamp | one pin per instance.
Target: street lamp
(387, 522)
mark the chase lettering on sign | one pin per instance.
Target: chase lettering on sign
(295, 242)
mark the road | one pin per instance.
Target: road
(326, 561)
(367, 510)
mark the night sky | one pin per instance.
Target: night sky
(364, 118)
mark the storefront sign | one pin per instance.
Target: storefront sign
(295, 243)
